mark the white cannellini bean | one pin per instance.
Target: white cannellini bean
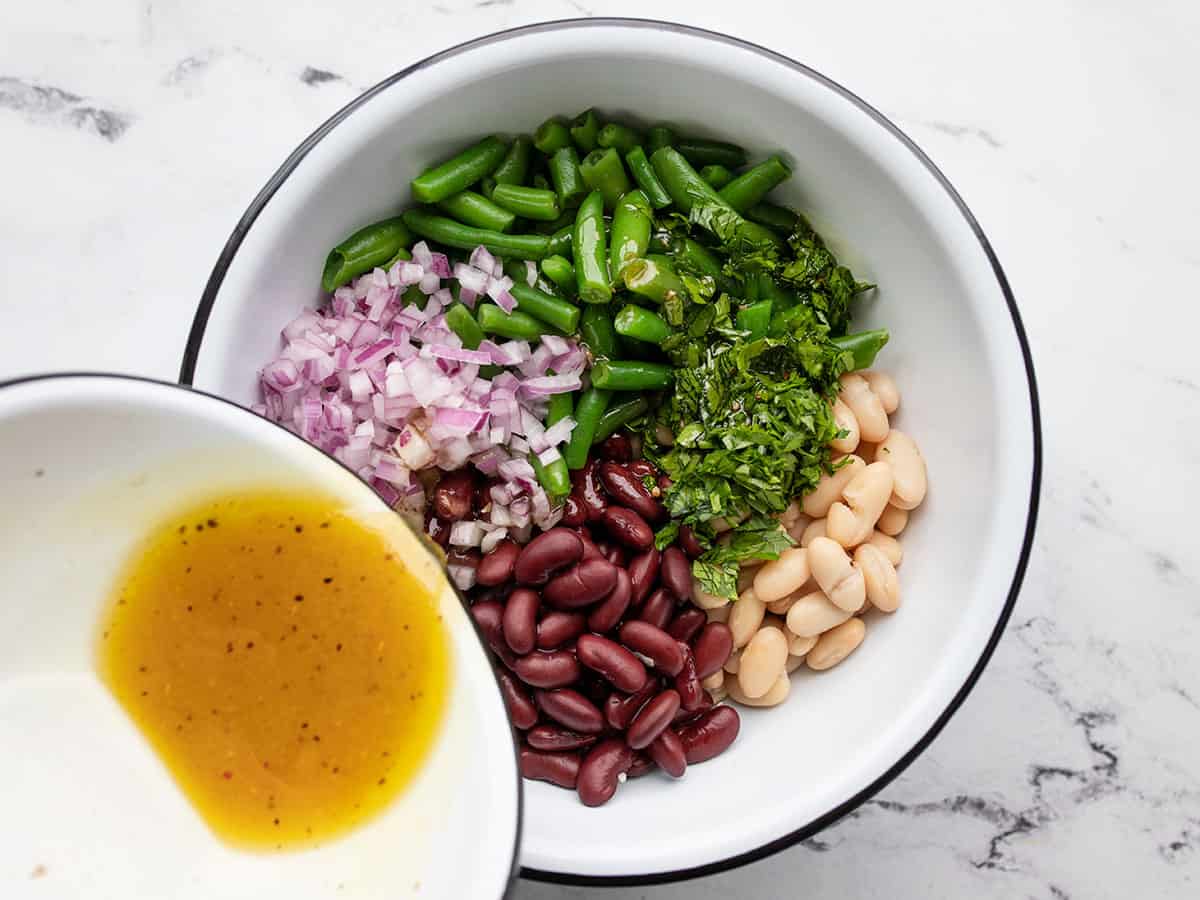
(762, 661)
(798, 646)
(883, 587)
(731, 664)
(836, 644)
(719, 694)
(892, 520)
(713, 681)
(777, 578)
(866, 496)
(829, 488)
(889, 545)
(815, 529)
(884, 388)
(777, 694)
(781, 606)
(833, 570)
(705, 600)
(791, 515)
(793, 663)
(908, 470)
(797, 529)
(868, 410)
(843, 417)
(813, 614)
(745, 618)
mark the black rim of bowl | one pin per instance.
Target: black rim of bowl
(513, 867)
(212, 288)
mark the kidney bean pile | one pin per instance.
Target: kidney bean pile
(599, 652)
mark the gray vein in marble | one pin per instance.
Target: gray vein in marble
(313, 76)
(966, 131)
(188, 68)
(41, 103)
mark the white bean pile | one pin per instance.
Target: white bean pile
(807, 607)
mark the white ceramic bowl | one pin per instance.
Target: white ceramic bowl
(91, 464)
(957, 351)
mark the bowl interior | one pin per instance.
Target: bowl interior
(954, 353)
(91, 463)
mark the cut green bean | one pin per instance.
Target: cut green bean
(516, 325)
(863, 346)
(768, 289)
(659, 136)
(584, 128)
(562, 242)
(462, 323)
(630, 233)
(378, 243)
(401, 255)
(589, 251)
(478, 211)
(780, 218)
(717, 176)
(602, 171)
(465, 237)
(518, 271)
(588, 410)
(597, 332)
(552, 135)
(559, 270)
(541, 181)
(566, 177)
(755, 319)
(755, 183)
(555, 478)
(654, 278)
(620, 137)
(643, 174)
(693, 256)
(643, 325)
(631, 375)
(702, 152)
(514, 168)
(528, 202)
(687, 188)
(618, 415)
(459, 173)
(552, 310)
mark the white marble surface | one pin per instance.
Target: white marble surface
(134, 132)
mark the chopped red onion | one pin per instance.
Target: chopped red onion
(551, 384)
(471, 278)
(531, 272)
(491, 539)
(462, 576)
(481, 258)
(467, 296)
(549, 456)
(466, 534)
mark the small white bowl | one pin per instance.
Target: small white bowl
(91, 464)
(958, 353)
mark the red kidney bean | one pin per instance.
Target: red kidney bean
(628, 490)
(658, 608)
(604, 618)
(652, 719)
(643, 570)
(569, 707)
(711, 648)
(520, 620)
(640, 468)
(547, 553)
(620, 709)
(711, 734)
(586, 486)
(489, 616)
(628, 528)
(497, 567)
(557, 628)
(594, 686)
(676, 573)
(438, 531)
(552, 739)
(521, 710)
(616, 556)
(667, 751)
(613, 661)
(557, 768)
(582, 585)
(590, 548)
(600, 771)
(617, 448)
(691, 692)
(453, 495)
(554, 669)
(653, 643)
(687, 716)
(685, 625)
(687, 541)
(642, 765)
(574, 513)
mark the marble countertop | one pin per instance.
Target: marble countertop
(134, 133)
